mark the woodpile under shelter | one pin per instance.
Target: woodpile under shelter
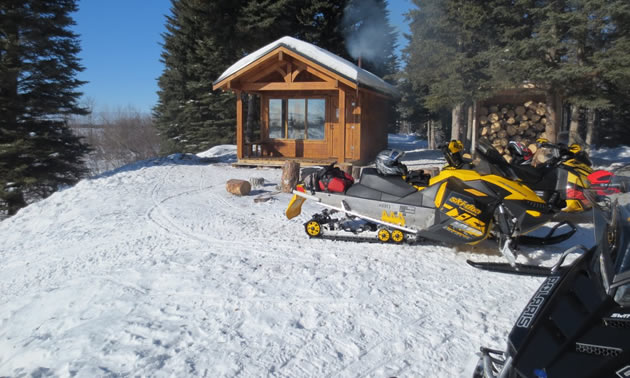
(516, 114)
(314, 106)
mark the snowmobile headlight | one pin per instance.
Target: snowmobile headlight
(622, 296)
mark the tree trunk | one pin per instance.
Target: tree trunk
(15, 201)
(591, 131)
(431, 135)
(473, 140)
(574, 125)
(456, 122)
(469, 127)
(290, 176)
(551, 127)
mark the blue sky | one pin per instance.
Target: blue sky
(120, 41)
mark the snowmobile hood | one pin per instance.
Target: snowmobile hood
(563, 330)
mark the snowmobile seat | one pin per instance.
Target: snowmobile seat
(532, 175)
(382, 188)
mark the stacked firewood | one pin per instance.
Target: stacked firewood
(522, 123)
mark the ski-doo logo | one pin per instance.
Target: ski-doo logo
(625, 372)
(534, 305)
(620, 316)
(465, 205)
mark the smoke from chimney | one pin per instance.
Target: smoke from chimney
(366, 33)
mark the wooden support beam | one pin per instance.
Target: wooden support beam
(282, 73)
(299, 86)
(340, 143)
(288, 73)
(295, 73)
(239, 125)
(264, 73)
(280, 56)
(319, 74)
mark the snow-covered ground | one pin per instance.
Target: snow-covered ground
(155, 270)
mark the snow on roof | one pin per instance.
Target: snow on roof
(318, 55)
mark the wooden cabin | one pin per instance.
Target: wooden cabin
(315, 107)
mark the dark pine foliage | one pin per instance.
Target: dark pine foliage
(198, 45)
(38, 92)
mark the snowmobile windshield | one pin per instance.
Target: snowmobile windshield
(543, 155)
(567, 138)
(612, 201)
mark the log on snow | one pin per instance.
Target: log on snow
(238, 187)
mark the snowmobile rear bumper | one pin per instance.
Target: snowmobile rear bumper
(493, 364)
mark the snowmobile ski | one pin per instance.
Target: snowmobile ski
(528, 270)
(518, 268)
(550, 238)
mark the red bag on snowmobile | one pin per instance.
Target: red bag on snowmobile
(333, 179)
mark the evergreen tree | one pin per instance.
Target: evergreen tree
(320, 22)
(445, 55)
(38, 92)
(198, 45)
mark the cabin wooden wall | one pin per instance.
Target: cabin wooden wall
(374, 119)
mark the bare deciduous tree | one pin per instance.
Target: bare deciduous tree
(117, 137)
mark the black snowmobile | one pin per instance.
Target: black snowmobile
(556, 172)
(578, 322)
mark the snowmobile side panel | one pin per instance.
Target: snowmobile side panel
(515, 190)
(401, 216)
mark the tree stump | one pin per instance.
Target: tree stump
(257, 182)
(290, 176)
(238, 187)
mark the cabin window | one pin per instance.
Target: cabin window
(297, 118)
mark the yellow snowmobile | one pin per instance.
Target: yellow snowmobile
(457, 206)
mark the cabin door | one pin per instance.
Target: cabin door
(336, 140)
(352, 128)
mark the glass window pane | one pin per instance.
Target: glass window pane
(297, 118)
(276, 126)
(316, 118)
